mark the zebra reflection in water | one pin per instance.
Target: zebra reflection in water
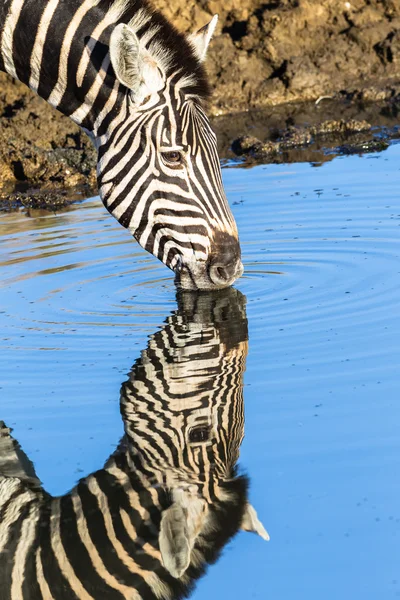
(169, 498)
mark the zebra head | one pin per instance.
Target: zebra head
(158, 170)
(184, 420)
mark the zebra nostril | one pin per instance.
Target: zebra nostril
(224, 264)
(221, 272)
(224, 274)
(178, 264)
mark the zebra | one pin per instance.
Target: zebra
(167, 500)
(138, 88)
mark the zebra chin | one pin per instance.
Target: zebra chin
(203, 276)
(212, 274)
(216, 269)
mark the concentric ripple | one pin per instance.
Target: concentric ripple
(321, 248)
(79, 269)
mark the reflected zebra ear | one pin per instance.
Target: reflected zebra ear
(133, 65)
(201, 39)
(251, 522)
(180, 525)
(174, 541)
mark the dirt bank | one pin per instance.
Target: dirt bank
(263, 55)
(38, 145)
(268, 53)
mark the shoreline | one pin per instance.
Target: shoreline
(283, 74)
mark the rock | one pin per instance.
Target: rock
(340, 126)
(363, 147)
(246, 144)
(36, 200)
(297, 137)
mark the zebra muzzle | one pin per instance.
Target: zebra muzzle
(224, 264)
(203, 276)
(220, 270)
(223, 274)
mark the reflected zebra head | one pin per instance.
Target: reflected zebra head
(184, 420)
(158, 169)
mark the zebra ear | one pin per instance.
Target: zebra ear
(124, 54)
(251, 522)
(201, 39)
(180, 526)
(133, 65)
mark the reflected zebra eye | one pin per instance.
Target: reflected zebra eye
(173, 158)
(199, 434)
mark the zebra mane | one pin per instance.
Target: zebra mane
(169, 47)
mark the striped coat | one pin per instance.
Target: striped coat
(167, 501)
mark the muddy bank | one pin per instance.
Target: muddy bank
(277, 58)
(316, 145)
(268, 53)
(303, 132)
(38, 145)
(307, 132)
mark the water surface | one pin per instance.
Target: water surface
(79, 298)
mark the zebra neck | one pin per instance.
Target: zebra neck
(60, 50)
(131, 469)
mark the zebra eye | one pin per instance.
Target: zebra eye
(173, 158)
(199, 434)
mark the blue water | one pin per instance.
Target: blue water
(78, 300)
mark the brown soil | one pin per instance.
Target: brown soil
(263, 55)
(40, 146)
(267, 53)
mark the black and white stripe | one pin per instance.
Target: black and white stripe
(167, 501)
(138, 88)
